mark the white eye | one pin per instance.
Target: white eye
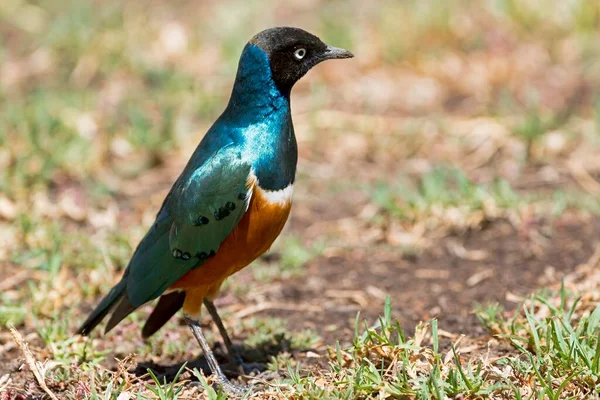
(299, 54)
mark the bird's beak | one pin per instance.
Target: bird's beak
(336, 52)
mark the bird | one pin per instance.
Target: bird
(231, 200)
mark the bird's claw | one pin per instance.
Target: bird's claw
(242, 366)
(231, 389)
(226, 386)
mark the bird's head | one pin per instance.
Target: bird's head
(292, 52)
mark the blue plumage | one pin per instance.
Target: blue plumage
(248, 152)
(256, 134)
(258, 121)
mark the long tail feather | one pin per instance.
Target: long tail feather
(107, 304)
(123, 309)
(167, 306)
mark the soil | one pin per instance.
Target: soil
(437, 283)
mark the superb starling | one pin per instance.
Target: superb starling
(232, 199)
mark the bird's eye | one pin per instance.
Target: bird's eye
(299, 54)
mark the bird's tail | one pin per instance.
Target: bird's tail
(167, 306)
(113, 299)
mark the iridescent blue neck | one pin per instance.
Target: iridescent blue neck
(255, 94)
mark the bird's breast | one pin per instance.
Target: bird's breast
(263, 221)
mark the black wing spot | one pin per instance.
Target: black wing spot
(242, 196)
(201, 220)
(177, 253)
(221, 213)
(204, 255)
(230, 206)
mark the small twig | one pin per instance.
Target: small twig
(275, 306)
(479, 277)
(11, 345)
(31, 362)
(358, 296)
(583, 177)
(14, 280)
(4, 382)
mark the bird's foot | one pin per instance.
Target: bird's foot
(230, 388)
(224, 384)
(243, 367)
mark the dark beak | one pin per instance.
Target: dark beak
(335, 52)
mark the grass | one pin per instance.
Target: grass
(554, 339)
(555, 354)
(557, 342)
(461, 115)
(445, 199)
(444, 190)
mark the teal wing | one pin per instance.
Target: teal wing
(203, 207)
(200, 212)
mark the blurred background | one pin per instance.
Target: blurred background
(452, 162)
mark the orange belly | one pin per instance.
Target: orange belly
(254, 234)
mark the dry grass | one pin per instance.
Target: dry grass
(453, 116)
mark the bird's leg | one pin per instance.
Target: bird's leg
(212, 310)
(222, 380)
(245, 368)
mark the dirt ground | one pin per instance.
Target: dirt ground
(497, 262)
(95, 134)
(438, 283)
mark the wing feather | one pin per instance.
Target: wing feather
(201, 210)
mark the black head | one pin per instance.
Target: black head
(293, 52)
